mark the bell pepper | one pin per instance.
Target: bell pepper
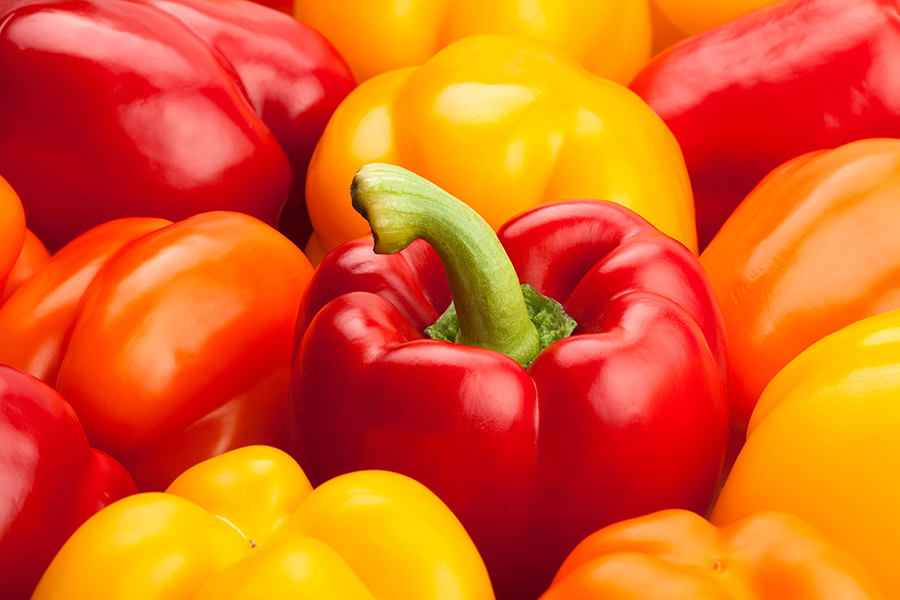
(32, 257)
(36, 322)
(51, 480)
(172, 341)
(12, 229)
(611, 38)
(150, 108)
(292, 76)
(675, 554)
(506, 123)
(696, 16)
(623, 417)
(813, 248)
(822, 444)
(795, 77)
(247, 524)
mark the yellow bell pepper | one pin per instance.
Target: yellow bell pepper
(611, 38)
(503, 123)
(823, 444)
(246, 524)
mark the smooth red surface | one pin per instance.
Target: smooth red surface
(412, 280)
(116, 109)
(781, 81)
(51, 480)
(292, 76)
(626, 416)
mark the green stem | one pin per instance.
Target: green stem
(401, 207)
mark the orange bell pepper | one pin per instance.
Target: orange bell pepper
(247, 525)
(611, 38)
(812, 248)
(696, 16)
(172, 341)
(823, 444)
(12, 229)
(505, 123)
(36, 322)
(676, 554)
(32, 257)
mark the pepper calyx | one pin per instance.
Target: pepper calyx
(547, 315)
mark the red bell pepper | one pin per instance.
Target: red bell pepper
(624, 417)
(152, 108)
(51, 481)
(292, 76)
(781, 81)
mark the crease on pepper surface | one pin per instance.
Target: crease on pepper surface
(360, 536)
(465, 420)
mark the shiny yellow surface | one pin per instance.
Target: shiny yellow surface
(696, 16)
(301, 568)
(150, 546)
(364, 535)
(823, 444)
(395, 534)
(504, 124)
(609, 37)
(254, 488)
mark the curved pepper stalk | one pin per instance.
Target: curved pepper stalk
(490, 310)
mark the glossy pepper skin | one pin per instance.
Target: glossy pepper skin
(51, 480)
(172, 341)
(32, 257)
(676, 554)
(611, 38)
(12, 229)
(21, 252)
(506, 123)
(292, 76)
(247, 524)
(782, 81)
(624, 417)
(822, 444)
(813, 248)
(119, 109)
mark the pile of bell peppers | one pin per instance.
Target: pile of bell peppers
(434, 300)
